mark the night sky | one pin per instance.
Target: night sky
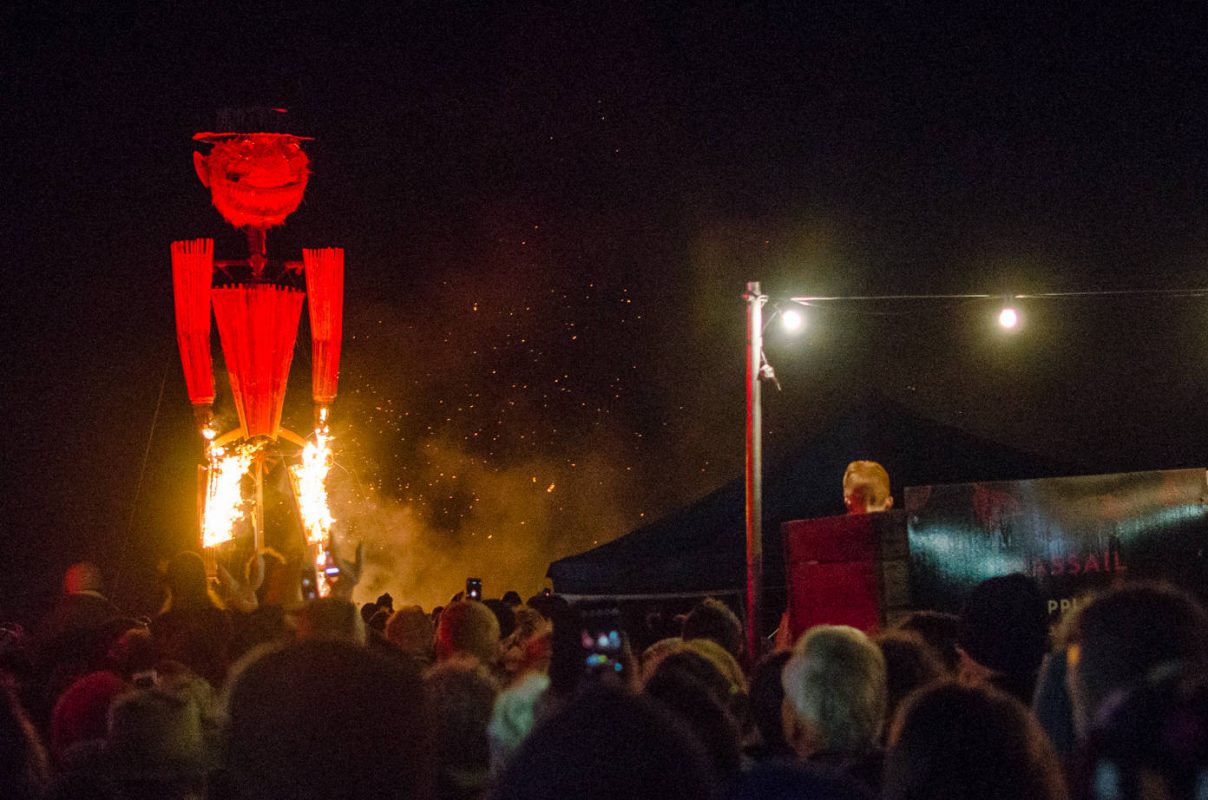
(549, 217)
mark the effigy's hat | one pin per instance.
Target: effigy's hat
(235, 122)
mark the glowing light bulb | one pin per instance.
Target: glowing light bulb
(792, 320)
(1008, 318)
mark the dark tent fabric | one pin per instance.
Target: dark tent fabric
(701, 548)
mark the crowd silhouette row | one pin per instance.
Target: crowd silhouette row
(511, 699)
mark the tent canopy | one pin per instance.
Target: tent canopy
(701, 548)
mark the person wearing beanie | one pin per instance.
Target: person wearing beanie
(158, 744)
(1003, 635)
(81, 713)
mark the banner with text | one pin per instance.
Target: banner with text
(1070, 534)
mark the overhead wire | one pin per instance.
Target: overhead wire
(834, 304)
(142, 474)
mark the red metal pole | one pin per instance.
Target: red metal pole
(754, 472)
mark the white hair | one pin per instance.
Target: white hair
(835, 681)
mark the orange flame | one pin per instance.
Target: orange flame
(311, 476)
(225, 505)
(311, 481)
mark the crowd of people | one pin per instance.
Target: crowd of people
(512, 699)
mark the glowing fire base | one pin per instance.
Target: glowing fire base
(310, 487)
(227, 503)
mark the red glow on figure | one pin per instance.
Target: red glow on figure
(257, 173)
(256, 180)
(258, 325)
(325, 298)
(192, 274)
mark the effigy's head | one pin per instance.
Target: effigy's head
(256, 179)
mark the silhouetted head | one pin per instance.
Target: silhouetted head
(910, 663)
(1004, 631)
(606, 744)
(1151, 741)
(834, 687)
(953, 741)
(327, 719)
(1121, 636)
(691, 693)
(767, 702)
(712, 619)
(940, 631)
(186, 581)
(331, 618)
(467, 628)
(505, 615)
(411, 630)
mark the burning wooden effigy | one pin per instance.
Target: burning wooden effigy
(256, 169)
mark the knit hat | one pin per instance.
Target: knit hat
(82, 711)
(1004, 625)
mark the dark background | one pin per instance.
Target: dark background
(549, 216)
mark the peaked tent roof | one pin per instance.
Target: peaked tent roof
(701, 548)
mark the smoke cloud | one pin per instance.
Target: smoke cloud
(508, 524)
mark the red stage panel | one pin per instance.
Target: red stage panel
(258, 325)
(848, 570)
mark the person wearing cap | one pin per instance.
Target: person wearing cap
(1003, 635)
(73, 638)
